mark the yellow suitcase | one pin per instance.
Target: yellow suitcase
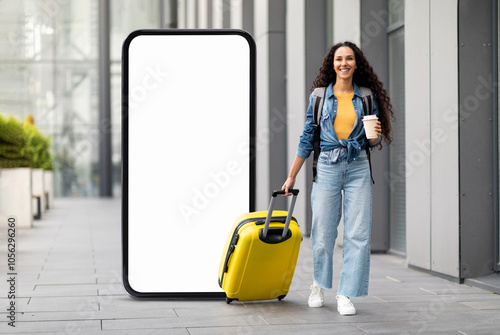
(260, 254)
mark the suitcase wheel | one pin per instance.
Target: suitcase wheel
(281, 297)
(228, 300)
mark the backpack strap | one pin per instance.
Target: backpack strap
(318, 101)
(367, 97)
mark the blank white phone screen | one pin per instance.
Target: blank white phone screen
(188, 156)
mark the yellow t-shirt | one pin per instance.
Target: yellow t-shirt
(346, 116)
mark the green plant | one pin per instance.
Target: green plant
(22, 145)
(39, 145)
(14, 151)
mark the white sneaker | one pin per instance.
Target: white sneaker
(316, 298)
(345, 306)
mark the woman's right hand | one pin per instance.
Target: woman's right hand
(289, 183)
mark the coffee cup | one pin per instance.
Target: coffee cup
(369, 122)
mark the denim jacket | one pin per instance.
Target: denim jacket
(334, 150)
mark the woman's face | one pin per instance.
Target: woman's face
(344, 63)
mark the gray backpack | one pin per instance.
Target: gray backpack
(318, 100)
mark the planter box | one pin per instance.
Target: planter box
(48, 184)
(16, 196)
(37, 187)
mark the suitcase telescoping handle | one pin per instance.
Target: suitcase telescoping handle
(295, 192)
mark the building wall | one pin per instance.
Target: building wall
(445, 226)
(451, 172)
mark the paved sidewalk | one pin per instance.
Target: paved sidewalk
(69, 282)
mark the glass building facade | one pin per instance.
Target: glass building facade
(49, 67)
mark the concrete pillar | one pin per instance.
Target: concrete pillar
(374, 17)
(316, 46)
(431, 79)
(346, 25)
(217, 14)
(476, 131)
(247, 16)
(202, 10)
(297, 98)
(418, 114)
(236, 14)
(190, 12)
(105, 165)
(270, 37)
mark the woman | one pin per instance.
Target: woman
(342, 166)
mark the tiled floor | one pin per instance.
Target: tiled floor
(69, 282)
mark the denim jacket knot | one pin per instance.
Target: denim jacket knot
(348, 150)
(335, 149)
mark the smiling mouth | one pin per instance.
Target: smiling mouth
(344, 70)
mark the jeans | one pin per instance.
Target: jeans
(326, 198)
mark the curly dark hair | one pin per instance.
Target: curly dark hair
(363, 76)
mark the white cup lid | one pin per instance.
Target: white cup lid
(370, 117)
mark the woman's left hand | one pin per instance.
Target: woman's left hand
(378, 129)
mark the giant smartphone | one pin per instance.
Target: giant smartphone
(188, 167)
